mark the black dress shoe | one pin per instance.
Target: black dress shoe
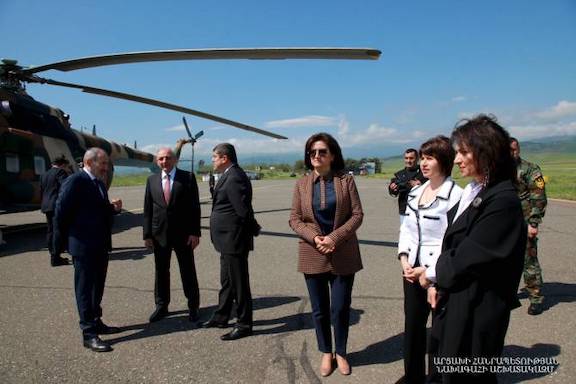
(159, 314)
(535, 309)
(97, 345)
(193, 316)
(213, 324)
(103, 329)
(58, 261)
(236, 333)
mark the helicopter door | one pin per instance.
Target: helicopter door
(57, 148)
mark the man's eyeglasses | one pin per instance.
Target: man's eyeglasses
(318, 152)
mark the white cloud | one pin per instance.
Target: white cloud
(153, 148)
(343, 126)
(466, 115)
(176, 128)
(249, 145)
(562, 109)
(305, 121)
(458, 99)
(536, 131)
(375, 134)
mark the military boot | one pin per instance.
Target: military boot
(535, 309)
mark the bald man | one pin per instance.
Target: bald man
(172, 222)
(83, 221)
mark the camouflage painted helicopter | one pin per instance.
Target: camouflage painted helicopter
(33, 134)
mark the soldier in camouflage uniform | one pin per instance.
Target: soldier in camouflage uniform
(532, 193)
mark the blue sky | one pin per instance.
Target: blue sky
(441, 61)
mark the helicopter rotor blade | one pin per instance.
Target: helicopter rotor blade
(187, 128)
(161, 104)
(211, 54)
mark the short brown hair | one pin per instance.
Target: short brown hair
(440, 148)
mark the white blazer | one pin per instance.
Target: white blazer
(423, 228)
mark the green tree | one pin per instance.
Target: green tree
(299, 166)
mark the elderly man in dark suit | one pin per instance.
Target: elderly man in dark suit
(50, 183)
(172, 222)
(232, 227)
(83, 218)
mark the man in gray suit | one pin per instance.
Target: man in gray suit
(232, 229)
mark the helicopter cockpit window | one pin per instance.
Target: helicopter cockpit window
(39, 165)
(5, 108)
(12, 163)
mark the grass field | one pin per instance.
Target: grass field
(559, 172)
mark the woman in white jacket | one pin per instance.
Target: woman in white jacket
(419, 246)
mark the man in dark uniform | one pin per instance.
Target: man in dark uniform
(532, 193)
(172, 222)
(50, 183)
(83, 220)
(405, 179)
(211, 184)
(232, 227)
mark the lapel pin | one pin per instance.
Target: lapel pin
(476, 202)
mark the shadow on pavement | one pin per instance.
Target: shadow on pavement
(296, 322)
(177, 321)
(24, 238)
(391, 244)
(130, 253)
(127, 220)
(527, 361)
(554, 293)
(382, 352)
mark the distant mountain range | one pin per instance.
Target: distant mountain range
(557, 144)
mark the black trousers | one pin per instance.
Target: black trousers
(185, 256)
(235, 287)
(89, 279)
(416, 312)
(50, 235)
(331, 297)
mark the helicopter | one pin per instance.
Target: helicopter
(33, 134)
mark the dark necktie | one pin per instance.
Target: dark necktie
(98, 186)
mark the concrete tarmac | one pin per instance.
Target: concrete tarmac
(40, 341)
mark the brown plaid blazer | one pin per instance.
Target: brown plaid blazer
(345, 259)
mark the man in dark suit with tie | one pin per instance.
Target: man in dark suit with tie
(172, 222)
(50, 183)
(232, 227)
(83, 220)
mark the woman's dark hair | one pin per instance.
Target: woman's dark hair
(490, 146)
(338, 163)
(441, 149)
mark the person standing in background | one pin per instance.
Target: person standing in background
(405, 179)
(532, 193)
(50, 183)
